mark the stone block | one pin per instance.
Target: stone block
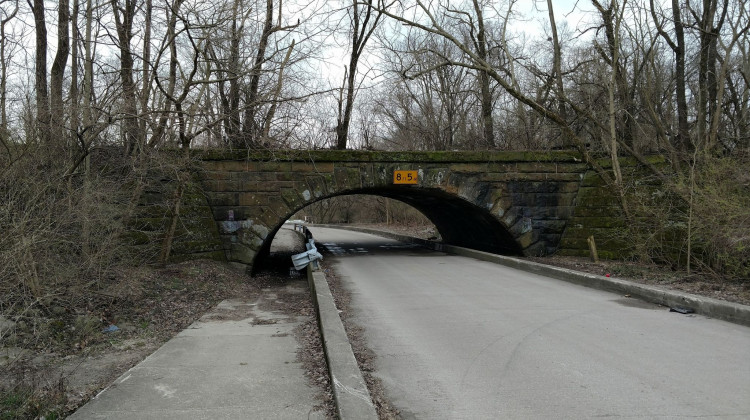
(537, 249)
(596, 195)
(253, 176)
(286, 176)
(383, 173)
(292, 198)
(317, 186)
(270, 186)
(268, 217)
(223, 199)
(277, 205)
(222, 186)
(606, 239)
(432, 177)
(193, 196)
(215, 175)
(347, 178)
(261, 231)
(600, 222)
(234, 166)
(275, 167)
(239, 212)
(501, 168)
(242, 253)
(469, 168)
(312, 167)
(249, 238)
(592, 179)
(251, 199)
(571, 167)
(501, 207)
(597, 211)
(567, 199)
(538, 167)
(551, 239)
(549, 226)
(367, 176)
(525, 240)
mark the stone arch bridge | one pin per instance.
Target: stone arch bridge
(514, 203)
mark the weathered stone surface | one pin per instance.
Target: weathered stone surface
(519, 202)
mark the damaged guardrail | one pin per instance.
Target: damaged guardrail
(311, 256)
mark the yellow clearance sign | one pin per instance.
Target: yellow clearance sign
(405, 177)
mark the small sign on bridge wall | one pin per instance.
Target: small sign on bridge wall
(405, 177)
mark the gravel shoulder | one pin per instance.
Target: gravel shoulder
(365, 357)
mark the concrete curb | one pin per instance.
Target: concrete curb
(350, 392)
(710, 307)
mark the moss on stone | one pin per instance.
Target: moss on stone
(380, 156)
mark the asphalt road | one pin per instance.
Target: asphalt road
(458, 338)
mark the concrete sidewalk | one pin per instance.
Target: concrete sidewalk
(237, 361)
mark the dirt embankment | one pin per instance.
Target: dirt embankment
(56, 360)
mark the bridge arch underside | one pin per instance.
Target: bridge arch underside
(459, 222)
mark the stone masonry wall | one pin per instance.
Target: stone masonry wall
(509, 202)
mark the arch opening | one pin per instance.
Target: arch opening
(458, 221)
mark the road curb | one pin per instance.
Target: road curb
(709, 307)
(350, 392)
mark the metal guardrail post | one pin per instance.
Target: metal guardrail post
(309, 257)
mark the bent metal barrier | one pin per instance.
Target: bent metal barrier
(512, 203)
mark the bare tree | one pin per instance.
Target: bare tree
(557, 66)
(709, 26)
(364, 20)
(433, 110)
(480, 44)
(57, 74)
(7, 16)
(678, 47)
(40, 72)
(252, 129)
(124, 12)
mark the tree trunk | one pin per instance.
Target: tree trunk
(146, 63)
(707, 87)
(681, 140)
(165, 113)
(250, 130)
(361, 32)
(557, 71)
(57, 75)
(4, 75)
(342, 129)
(484, 80)
(88, 69)
(74, 95)
(124, 17)
(683, 133)
(276, 95)
(231, 102)
(40, 73)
